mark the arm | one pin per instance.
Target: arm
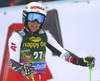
(62, 53)
(14, 61)
(14, 51)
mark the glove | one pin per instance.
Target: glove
(27, 69)
(90, 61)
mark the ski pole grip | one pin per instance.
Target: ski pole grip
(87, 61)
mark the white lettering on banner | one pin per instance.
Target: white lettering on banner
(39, 65)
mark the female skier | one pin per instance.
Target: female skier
(28, 46)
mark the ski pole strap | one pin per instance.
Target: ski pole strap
(86, 60)
(31, 75)
(24, 74)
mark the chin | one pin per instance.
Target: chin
(32, 31)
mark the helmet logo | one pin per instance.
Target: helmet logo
(37, 7)
(26, 7)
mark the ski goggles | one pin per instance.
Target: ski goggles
(35, 16)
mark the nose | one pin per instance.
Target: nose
(35, 21)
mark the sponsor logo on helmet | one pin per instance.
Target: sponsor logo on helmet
(37, 7)
(26, 7)
(35, 39)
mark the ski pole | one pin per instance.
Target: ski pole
(90, 69)
(90, 72)
(32, 76)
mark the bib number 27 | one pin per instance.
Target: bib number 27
(38, 54)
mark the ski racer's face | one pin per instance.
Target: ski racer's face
(34, 21)
(33, 26)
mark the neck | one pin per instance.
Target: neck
(32, 33)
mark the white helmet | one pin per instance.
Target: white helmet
(33, 7)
